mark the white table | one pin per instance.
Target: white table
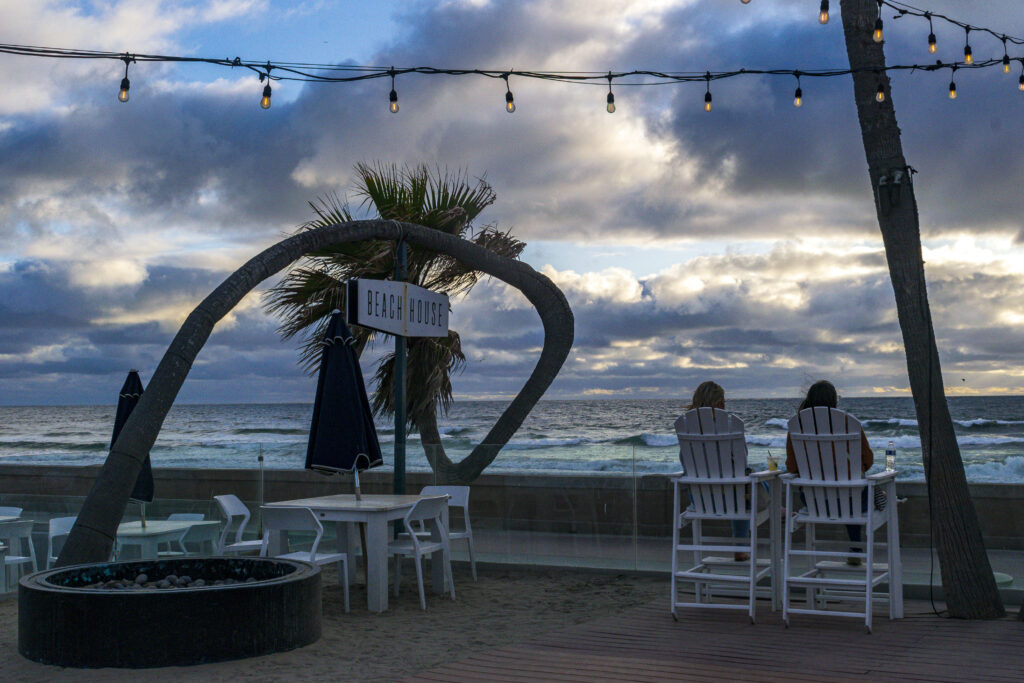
(158, 531)
(5, 518)
(375, 511)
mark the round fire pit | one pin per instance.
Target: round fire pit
(76, 616)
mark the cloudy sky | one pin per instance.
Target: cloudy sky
(739, 245)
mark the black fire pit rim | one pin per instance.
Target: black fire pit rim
(38, 580)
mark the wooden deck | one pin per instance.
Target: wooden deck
(644, 644)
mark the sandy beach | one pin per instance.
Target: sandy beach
(504, 607)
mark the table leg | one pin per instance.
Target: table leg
(277, 544)
(348, 543)
(148, 549)
(437, 563)
(376, 563)
(775, 529)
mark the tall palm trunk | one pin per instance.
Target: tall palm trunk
(92, 537)
(966, 573)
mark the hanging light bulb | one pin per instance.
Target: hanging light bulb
(265, 100)
(610, 107)
(745, 2)
(876, 35)
(1006, 58)
(968, 55)
(393, 95)
(122, 94)
(510, 102)
(823, 12)
(952, 85)
(931, 34)
(880, 93)
(798, 95)
(1021, 82)
(707, 95)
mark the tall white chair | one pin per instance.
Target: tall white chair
(431, 513)
(458, 498)
(283, 520)
(713, 451)
(17, 536)
(7, 511)
(827, 445)
(177, 546)
(234, 512)
(59, 529)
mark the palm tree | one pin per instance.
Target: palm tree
(447, 202)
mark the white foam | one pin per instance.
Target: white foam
(532, 444)
(659, 440)
(777, 422)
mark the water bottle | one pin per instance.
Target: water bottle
(890, 457)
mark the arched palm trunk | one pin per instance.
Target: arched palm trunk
(93, 535)
(966, 573)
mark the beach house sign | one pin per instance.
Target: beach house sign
(397, 308)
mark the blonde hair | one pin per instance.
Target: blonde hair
(707, 395)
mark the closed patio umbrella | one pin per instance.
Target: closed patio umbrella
(342, 436)
(142, 492)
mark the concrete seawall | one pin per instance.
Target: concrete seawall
(601, 504)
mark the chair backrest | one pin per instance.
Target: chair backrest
(233, 509)
(827, 445)
(6, 511)
(458, 496)
(11, 532)
(185, 517)
(712, 447)
(432, 512)
(291, 519)
(61, 526)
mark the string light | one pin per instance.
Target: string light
(265, 100)
(1006, 58)
(880, 92)
(1020, 80)
(877, 34)
(393, 95)
(707, 95)
(122, 94)
(931, 34)
(798, 96)
(952, 84)
(968, 55)
(610, 108)
(510, 101)
(823, 12)
(745, 2)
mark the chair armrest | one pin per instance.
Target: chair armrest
(713, 480)
(788, 476)
(764, 474)
(672, 476)
(852, 483)
(882, 476)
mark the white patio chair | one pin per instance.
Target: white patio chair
(713, 452)
(234, 510)
(21, 551)
(180, 542)
(59, 528)
(431, 512)
(283, 520)
(7, 511)
(458, 497)
(827, 445)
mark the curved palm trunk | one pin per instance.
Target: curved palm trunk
(966, 573)
(93, 535)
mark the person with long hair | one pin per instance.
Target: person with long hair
(823, 394)
(711, 395)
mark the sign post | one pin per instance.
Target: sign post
(404, 310)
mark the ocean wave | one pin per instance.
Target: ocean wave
(269, 430)
(898, 421)
(453, 431)
(780, 422)
(646, 439)
(986, 422)
(1011, 470)
(54, 446)
(534, 444)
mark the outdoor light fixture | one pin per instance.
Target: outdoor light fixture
(798, 96)
(265, 100)
(1006, 58)
(931, 34)
(1021, 82)
(707, 95)
(610, 108)
(823, 13)
(968, 56)
(510, 104)
(745, 2)
(877, 34)
(880, 93)
(122, 94)
(393, 95)
(952, 85)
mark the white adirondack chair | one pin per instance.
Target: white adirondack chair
(713, 452)
(827, 445)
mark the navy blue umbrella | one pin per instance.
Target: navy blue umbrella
(142, 492)
(342, 436)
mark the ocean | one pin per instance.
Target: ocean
(559, 436)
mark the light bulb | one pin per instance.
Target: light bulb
(611, 104)
(880, 93)
(931, 43)
(393, 99)
(1006, 64)
(265, 100)
(707, 101)
(510, 104)
(877, 35)
(952, 90)
(1021, 82)
(823, 12)
(123, 93)
(745, 2)
(798, 98)
(968, 56)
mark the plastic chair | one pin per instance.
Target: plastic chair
(283, 520)
(431, 512)
(59, 529)
(458, 497)
(234, 509)
(713, 452)
(16, 536)
(6, 511)
(827, 445)
(180, 542)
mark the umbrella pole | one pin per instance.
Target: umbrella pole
(142, 510)
(359, 495)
